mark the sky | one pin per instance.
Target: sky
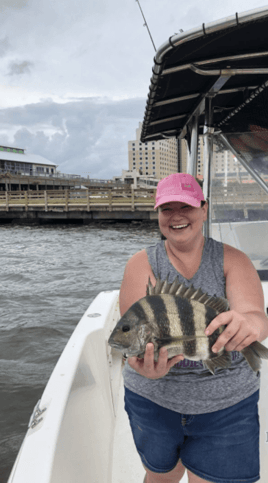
(75, 74)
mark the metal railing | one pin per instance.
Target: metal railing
(51, 176)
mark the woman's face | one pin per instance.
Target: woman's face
(180, 222)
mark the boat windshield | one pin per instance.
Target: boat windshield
(239, 204)
(246, 130)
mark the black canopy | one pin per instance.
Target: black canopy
(225, 60)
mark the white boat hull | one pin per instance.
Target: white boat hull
(74, 441)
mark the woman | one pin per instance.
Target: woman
(180, 415)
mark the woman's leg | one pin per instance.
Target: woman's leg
(195, 479)
(173, 476)
(158, 436)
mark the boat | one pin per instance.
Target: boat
(209, 81)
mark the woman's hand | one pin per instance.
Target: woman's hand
(246, 320)
(147, 367)
(241, 330)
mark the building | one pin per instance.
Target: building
(15, 160)
(156, 158)
(225, 166)
(183, 155)
(22, 171)
(135, 179)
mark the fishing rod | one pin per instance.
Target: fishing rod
(145, 24)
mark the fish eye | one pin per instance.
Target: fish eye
(125, 328)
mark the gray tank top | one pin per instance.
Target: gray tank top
(189, 388)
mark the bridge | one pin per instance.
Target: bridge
(116, 203)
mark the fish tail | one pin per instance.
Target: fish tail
(254, 353)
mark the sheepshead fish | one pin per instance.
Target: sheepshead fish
(174, 316)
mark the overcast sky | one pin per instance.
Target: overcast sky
(75, 74)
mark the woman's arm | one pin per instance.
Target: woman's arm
(133, 288)
(246, 321)
(135, 280)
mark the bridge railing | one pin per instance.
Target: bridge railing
(79, 199)
(116, 199)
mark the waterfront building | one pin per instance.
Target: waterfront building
(15, 160)
(22, 171)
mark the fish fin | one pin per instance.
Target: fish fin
(189, 292)
(217, 303)
(174, 286)
(254, 353)
(166, 286)
(150, 288)
(197, 294)
(181, 290)
(220, 304)
(161, 287)
(259, 349)
(222, 361)
(252, 359)
(209, 365)
(158, 286)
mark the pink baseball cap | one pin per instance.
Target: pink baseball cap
(179, 187)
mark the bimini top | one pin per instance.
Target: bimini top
(225, 60)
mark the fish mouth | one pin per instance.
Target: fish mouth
(117, 345)
(126, 351)
(114, 344)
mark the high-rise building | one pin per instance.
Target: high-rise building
(183, 155)
(224, 164)
(166, 156)
(156, 158)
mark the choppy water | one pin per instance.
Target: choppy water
(48, 277)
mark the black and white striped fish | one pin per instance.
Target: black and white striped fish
(175, 316)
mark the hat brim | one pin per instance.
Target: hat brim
(181, 198)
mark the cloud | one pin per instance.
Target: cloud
(87, 135)
(89, 48)
(12, 4)
(20, 68)
(4, 46)
(79, 73)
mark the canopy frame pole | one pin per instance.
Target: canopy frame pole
(200, 107)
(204, 105)
(207, 164)
(193, 155)
(240, 158)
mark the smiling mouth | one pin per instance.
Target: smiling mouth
(179, 227)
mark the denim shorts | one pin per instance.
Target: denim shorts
(222, 446)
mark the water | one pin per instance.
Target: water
(49, 276)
